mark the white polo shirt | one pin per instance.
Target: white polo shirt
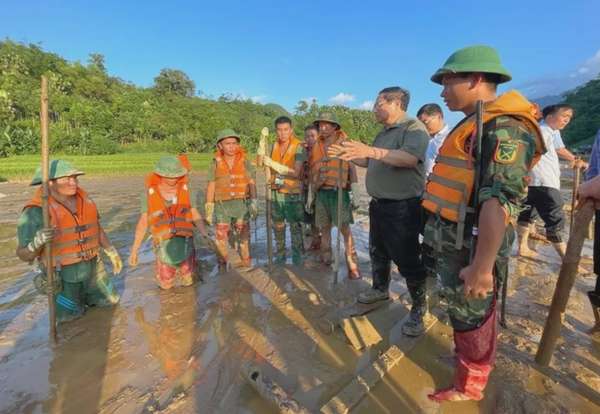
(546, 172)
(434, 148)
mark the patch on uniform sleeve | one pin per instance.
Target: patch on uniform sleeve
(506, 151)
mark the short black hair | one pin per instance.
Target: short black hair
(396, 93)
(552, 109)
(311, 126)
(283, 120)
(430, 109)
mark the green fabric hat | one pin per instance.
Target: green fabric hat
(327, 117)
(169, 166)
(478, 58)
(227, 133)
(56, 169)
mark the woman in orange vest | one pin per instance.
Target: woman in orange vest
(168, 208)
(231, 196)
(324, 183)
(76, 238)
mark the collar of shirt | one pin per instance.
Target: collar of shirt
(442, 132)
(396, 125)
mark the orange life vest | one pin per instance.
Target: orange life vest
(77, 236)
(450, 185)
(290, 185)
(323, 169)
(169, 221)
(231, 183)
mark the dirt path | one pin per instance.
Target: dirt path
(182, 350)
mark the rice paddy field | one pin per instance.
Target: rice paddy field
(22, 167)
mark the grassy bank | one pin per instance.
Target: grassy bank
(22, 167)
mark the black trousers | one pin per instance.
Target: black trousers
(394, 236)
(548, 203)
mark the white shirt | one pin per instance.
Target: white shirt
(434, 148)
(546, 172)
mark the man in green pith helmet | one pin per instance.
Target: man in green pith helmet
(76, 239)
(286, 161)
(511, 144)
(168, 207)
(231, 196)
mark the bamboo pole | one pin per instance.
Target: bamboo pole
(260, 163)
(336, 266)
(45, 210)
(576, 178)
(564, 284)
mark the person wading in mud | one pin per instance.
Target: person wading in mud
(544, 188)
(511, 143)
(231, 196)
(395, 182)
(76, 238)
(286, 161)
(311, 134)
(324, 173)
(168, 208)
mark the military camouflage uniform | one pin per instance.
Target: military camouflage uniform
(504, 180)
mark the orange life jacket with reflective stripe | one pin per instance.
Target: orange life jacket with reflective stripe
(291, 185)
(450, 185)
(169, 221)
(77, 236)
(324, 170)
(231, 183)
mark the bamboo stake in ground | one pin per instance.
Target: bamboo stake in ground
(576, 176)
(260, 162)
(566, 279)
(336, 266)
(45, 210)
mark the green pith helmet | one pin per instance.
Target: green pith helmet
(227, 133)
(169, 166)
(327, 117)
(478, 58)
(56, 169)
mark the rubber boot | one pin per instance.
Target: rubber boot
(475, 357)
(523, 234)
(595, 302)
(222, 236)
(279, 230)
(297, 243)
(414, 325)
(326, 252)
(243, 234)
(315, 235)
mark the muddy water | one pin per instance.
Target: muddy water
(181, 351)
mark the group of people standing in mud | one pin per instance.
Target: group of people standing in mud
(442, 202)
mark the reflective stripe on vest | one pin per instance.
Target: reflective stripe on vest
(291, 185)
(231, 183)
(324, 170)
(77, 236)
(174, 220)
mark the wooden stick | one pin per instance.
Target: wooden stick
(564, 284)
(336, 265)
(574, 196)
(45, 210)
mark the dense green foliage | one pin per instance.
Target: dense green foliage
(585, 101)
(95, 113)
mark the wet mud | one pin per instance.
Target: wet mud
(182, 351)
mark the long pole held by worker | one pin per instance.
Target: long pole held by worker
(336, 266)
(564, 284)
(45, 210)
(260, 162)
(576, 177)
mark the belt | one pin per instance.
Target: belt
(389, 200)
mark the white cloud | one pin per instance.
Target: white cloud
(558, 83)
(258, 98)
(342, 98)
(367, 105)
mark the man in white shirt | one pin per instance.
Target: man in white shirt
(432, 116)
(544, 187)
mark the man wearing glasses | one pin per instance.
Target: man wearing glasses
(395, 182)
(431, 115)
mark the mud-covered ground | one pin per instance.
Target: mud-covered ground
(182, 351)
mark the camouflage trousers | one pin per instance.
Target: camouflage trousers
(288, 208)
(444, 261)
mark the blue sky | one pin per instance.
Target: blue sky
(334, 51)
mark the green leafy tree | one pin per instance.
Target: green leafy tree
(174, 81)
